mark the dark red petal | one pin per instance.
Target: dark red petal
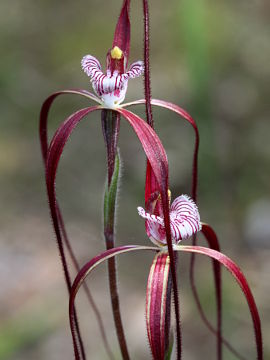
(55, 151)
(158, 299)
(152, 146)
(242, 282)
(53, 156)
(43, 120)
(122, 30)
(213, 243)
(84, 272)
(44, 147)
(177, 109)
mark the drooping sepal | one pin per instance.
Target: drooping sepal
(242, 282)
(80, 278)
(158, 305)
(183, 114)
(44, 112)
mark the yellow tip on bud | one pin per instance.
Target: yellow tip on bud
(116, 53)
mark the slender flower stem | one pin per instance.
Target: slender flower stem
(110, 127)
(147, 83)
(165, 203)
(165, 200)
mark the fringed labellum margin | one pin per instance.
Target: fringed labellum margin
(184, 221)
(111, 87)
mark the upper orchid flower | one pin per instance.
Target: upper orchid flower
(112, 87)
(184, 221)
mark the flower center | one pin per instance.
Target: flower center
(111, 87)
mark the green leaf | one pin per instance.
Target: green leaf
(110, 195)
(170, 348)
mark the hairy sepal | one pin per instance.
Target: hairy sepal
(52, 159)
(242, 282)
(185, 115)
(84, 272)
(43, 119)
(213, 243)
(43, 134)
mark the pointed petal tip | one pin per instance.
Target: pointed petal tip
(122, 30)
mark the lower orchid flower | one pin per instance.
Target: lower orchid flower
(184, 221)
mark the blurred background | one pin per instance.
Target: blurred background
(210, 57)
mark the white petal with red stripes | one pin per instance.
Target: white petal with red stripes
(184, 221)
(111, 88)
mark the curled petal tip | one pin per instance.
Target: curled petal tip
(91, 66)
(136, 69)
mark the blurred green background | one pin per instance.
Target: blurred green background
(210, 57)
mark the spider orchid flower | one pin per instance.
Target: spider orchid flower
(111, 87)
(184, 221)
(166, 225)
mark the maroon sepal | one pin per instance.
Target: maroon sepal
(79, 280)
(53, 156)
(43, 118)
(242, 282)
(213, 243)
